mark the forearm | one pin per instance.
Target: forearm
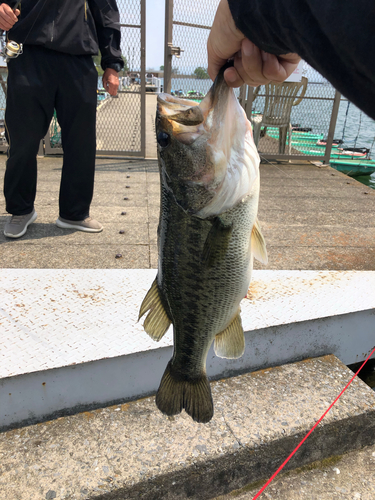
(107, 22)
(333, 36)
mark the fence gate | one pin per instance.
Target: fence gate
(187, 26)
(121, 124)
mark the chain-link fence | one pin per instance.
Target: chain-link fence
(188, 28)
(294, 119)
(121, 120)
(288, 120)
(120, 127)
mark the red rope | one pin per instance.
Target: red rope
(316, 424)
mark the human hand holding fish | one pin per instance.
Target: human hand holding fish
(251, 65)
(208, 235)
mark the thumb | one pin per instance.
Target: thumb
(215, 62)
(224, 40)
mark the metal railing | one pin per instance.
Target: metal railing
(312, 124)
(121, 121)
(185, 71)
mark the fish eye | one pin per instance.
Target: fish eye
(163, 139)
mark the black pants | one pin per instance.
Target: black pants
(39, 81)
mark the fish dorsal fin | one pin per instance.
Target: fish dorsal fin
(258, 244)
(216, 244)
(230, 343)
(157, 321)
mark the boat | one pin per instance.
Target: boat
(353, 161)
(101, 95)
(354, 168)
(335, 142)
(194, 94)
(178, 93)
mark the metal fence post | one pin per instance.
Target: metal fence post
(249, 102)
(168, 43)
(41, 148)
(332, 126)
(143, 78)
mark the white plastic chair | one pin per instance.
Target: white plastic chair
(280, 97)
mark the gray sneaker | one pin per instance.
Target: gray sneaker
(18, 224)
(88, 225)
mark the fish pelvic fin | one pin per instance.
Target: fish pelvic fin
(217, 242)
(258, 244)
(157, 321)
(176, 394)
(230, 343)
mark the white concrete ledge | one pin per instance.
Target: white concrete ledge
(69, 339)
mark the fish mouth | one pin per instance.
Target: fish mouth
(173, 104)
(182, 118)
(181, 113)
(206, 150)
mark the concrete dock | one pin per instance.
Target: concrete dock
(132, 451)
(312, 219)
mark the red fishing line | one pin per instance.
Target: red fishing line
(308, 434)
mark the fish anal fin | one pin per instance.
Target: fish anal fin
(176, 394)
(217, 242)
(230, 343)
(258, 244)
(157, 321)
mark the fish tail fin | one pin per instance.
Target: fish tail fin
(176, 394)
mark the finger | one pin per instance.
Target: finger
(8, 15)
(277, 69)
(215, 62)
(5, 26)
(251, 67)
(224, 39)
(290, 63)
(232, 78)
(7, 19)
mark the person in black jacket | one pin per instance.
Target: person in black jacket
(56, 72)
(265, 36)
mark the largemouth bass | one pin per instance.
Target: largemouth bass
(208, 235)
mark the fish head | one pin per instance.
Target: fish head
(207, 157)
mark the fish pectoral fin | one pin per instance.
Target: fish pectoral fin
(157, 321)
(258, 244)
(176, 393)
(217, 242)
(230, 343)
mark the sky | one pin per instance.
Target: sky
(155, 17)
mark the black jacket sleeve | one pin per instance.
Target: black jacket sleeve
(12, 3)
(107, 23)
(333, 36)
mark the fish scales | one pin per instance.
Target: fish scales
(200, 294)
(207, 236)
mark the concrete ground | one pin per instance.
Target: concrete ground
(342, 477)
(311, 218)
(132, 451)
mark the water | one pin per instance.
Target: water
(359, 129)
(367, 180)
(353, 126)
